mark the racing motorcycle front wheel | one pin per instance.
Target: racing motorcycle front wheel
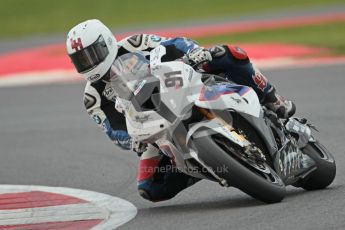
(257, 179)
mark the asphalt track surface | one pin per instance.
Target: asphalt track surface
(46, 138)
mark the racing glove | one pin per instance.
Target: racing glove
(120, 137)
(199, 55)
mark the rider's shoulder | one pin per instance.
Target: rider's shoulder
(134, 40)
(238, 53)
(94, 88)
(140, 42)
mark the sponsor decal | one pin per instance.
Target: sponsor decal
(260, 80)
(94, 77)
(155, 38)
(89, 100)
(108, 92)
(76, 44)
(139, 87)
(142, 119)
(97, 119)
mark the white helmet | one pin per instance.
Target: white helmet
(92, 48)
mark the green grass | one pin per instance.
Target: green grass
(330, 35)
(34, 17)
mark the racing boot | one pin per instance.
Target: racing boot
(282, 107)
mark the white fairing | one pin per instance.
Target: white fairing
(141, 125)
(181, 88)
(180, 83)
(178, 97)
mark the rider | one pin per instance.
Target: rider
(93, 49)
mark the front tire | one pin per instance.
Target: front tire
(326, 168)
(238, 174)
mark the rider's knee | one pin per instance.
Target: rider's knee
(152, 197)
(144, 188)
(154, 192)
(144, 194)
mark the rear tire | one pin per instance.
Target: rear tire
(238, 174)
(326, 168)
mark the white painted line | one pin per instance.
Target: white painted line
(35, 78)
(61, 213)
(114, 210)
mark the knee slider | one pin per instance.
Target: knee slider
(144, 194)
(147, 196)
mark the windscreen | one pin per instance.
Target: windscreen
(129, 75)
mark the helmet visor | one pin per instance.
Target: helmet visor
(90, 56)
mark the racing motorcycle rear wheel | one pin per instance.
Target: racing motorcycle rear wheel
(325, 167)
(258, 180)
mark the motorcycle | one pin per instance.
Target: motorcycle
(217, 130)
